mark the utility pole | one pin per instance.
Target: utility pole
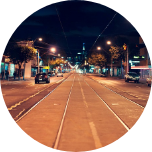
(38, 61)
(127, 60)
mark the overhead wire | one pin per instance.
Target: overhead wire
(63, 30)
(103, 30)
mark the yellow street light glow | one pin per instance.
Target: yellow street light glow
(98, 48)
(40, 39)
(108, 42)
(53, 50)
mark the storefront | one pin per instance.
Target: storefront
(6, 65)
(145, 71)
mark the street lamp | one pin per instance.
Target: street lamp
(98, 48)
(39, 39)
(53, 50)
(109, 42)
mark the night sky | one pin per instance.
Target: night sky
(69, 24)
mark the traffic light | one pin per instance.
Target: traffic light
(125, 46)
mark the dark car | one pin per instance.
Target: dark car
(132, 76)
(50, 74)
(42, 77)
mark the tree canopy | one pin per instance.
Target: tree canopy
(97, 59)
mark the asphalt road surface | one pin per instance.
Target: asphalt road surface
(76, 112)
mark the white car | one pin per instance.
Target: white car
(132, 76)
(59, 75)
(149, 81)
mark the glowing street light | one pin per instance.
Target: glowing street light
(109, 42)
(53, 50)
(98, 48)
(40, 39)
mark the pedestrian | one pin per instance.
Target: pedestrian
(2, 74)
(7, 75)
(14, 75)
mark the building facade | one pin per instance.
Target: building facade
(142, 62)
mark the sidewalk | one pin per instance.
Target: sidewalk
(12, 79)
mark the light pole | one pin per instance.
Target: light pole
(109, 43)
(39, 39)
(127, 62)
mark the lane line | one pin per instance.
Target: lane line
(127, 128)
(60, 80)
(119, 94)
(19, 103)
(91, 123)
(19, 114)
(63, 118)
(38, 102)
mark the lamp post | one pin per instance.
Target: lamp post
(127, 62)
(39, 39)
(109, 43)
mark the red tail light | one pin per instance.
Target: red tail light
(45, 76)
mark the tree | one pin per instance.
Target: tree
(19, 54)
(57, 62)
(116, 52)
(97, 59)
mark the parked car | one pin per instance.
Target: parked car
(59, 75)
(51, 74)
(132, 76)
(42, 77)
(149, 81)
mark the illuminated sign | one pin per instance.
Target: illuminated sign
(46, 67)
(136, 57)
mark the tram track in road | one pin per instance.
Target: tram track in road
(120, 120)
(113, 106)
(56, 143)
(119, 92)
(23, 107)
(98, 143)
(80, 119)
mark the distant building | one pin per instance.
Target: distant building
(142, 62)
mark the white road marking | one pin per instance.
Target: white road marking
(115, 104)
(60, 80)
(91, 123)
(62, 121)
(20, 113)
(127, 128)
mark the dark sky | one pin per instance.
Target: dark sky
(82, 23)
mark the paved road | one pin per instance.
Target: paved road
(20, 96)
(77, 113)
(138, 92)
